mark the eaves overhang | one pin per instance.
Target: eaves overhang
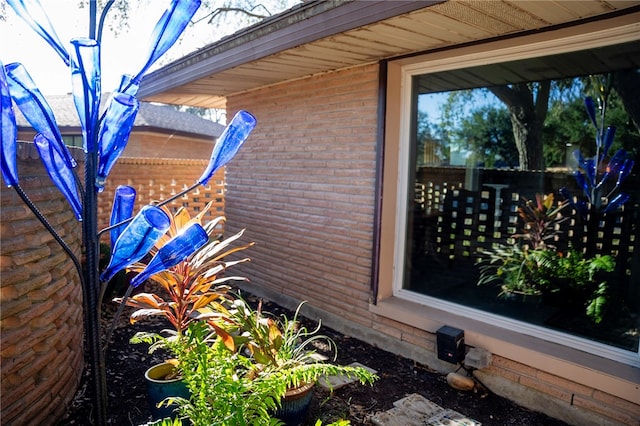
(323, 36)
(310, 21)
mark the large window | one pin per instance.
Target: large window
(476, 143)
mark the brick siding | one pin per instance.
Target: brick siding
(41, 302)
(41, 299)
(304, 188)
(303, 185)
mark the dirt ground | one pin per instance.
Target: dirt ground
(399, 377)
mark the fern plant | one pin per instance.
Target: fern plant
(225, 389)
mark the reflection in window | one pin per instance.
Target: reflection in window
(73, 140)
(484, 139)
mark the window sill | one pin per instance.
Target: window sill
(613, 377)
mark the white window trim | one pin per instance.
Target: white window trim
(468, 57)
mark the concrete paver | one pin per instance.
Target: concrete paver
(416, 410)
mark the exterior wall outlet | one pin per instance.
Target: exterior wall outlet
(477, 358)
(450, 342)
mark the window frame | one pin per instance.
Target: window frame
(425, 309)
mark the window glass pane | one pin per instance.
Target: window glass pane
(486, 139)
(72, 140)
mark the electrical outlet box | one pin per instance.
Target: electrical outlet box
(477, 358)
(450, 342)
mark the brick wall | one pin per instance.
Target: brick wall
(304, 187)
(40, 295)
(41, 302)
(581, 404)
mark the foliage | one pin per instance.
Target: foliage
(541, 220)
(228, 383)
(513, 267)
(273, 343)
(460, 126)
(192, 284)
(489, 134)
(578, 275)
(533, 266)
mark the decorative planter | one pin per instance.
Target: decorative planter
(159, 388)
(295, 405)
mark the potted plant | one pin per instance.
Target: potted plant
(533, 267)
(242, 367)
(182, 291)
(519, 267)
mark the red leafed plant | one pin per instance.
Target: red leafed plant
(195, 283)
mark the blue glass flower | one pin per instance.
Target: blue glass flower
(9, 132)
(137, 239)
(174, 251)
(609, 135)
(124, 200)
(591, 110)
(595, 182)
(114, 133)
(616, 202)
(85, 84)
(230, 141)
(128, 85)
(59, 172)
(168, 29)
(36, 109)
(32, 12)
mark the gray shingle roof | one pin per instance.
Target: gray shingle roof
(152, 116)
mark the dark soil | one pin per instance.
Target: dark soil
(399, 377)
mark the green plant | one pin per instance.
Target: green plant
(532, 265)
(227, 389)
(517, 268)
(576, 278)
(273, 343)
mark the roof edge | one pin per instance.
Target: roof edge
(301, 24)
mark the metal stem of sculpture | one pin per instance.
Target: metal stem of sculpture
(104, 140)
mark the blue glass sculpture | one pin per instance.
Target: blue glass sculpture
(128, 85)
(61, 175)
(9, 132)
(124, 200)
(599, 192)
(136, 239)
(35, 16)
(85, 84)
(114, 133)
(230, 141)
(36, 109)
(174, 251)
(167, 30)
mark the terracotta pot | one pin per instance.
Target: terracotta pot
(159, 388)
(295, 405)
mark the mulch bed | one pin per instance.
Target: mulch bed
(399, 377)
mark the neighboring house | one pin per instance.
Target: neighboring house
(159, 131)
(349, 215)
(167, 149)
